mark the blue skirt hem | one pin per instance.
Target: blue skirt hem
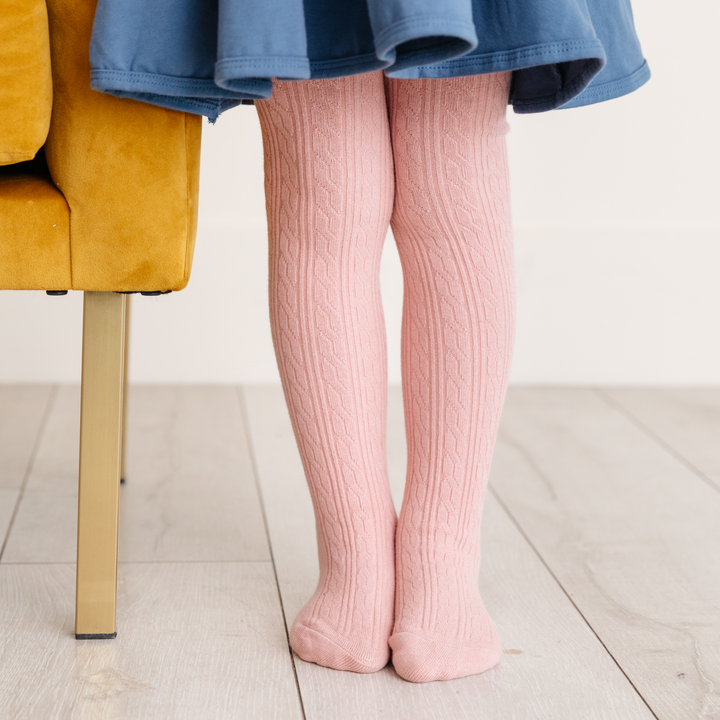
(611, 90)
(454, 38)
(204, 96)
(525, 57)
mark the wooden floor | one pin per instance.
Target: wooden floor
(600, 564)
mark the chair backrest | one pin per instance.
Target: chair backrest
(25, 79)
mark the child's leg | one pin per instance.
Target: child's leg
(452, 225)
(329, 192)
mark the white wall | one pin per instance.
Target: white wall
(617, 238)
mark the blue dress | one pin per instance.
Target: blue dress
(205, 56)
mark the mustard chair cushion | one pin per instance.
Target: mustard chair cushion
(34, 232)
(128, 170)
(25, 79)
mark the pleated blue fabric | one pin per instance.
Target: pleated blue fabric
(206, 56)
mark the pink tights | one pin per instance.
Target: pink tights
(343, 159)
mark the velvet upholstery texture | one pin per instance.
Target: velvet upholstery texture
(35, 240)
(25, 80)
(125, 174)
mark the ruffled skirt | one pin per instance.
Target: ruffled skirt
(205, 56)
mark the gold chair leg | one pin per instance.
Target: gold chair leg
(123, 452)
(100, 451)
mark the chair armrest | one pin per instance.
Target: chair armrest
(128, 170)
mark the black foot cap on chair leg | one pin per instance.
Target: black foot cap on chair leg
(122, 481)
(95, 636)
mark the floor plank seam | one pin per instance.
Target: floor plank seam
(654, 437)
(256, 475)
(31, 462)
(562, 588)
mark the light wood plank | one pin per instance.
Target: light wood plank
(194, 641)
(8, 500)
(190, 482)
(687, 419)
(553, 664)
(45, 527)
(190, 493)
(630, 532)
(22, 408)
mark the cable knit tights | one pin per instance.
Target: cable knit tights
(344, 158)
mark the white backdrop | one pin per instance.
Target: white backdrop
(617, 243)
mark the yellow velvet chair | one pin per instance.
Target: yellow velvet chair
(97, 194)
